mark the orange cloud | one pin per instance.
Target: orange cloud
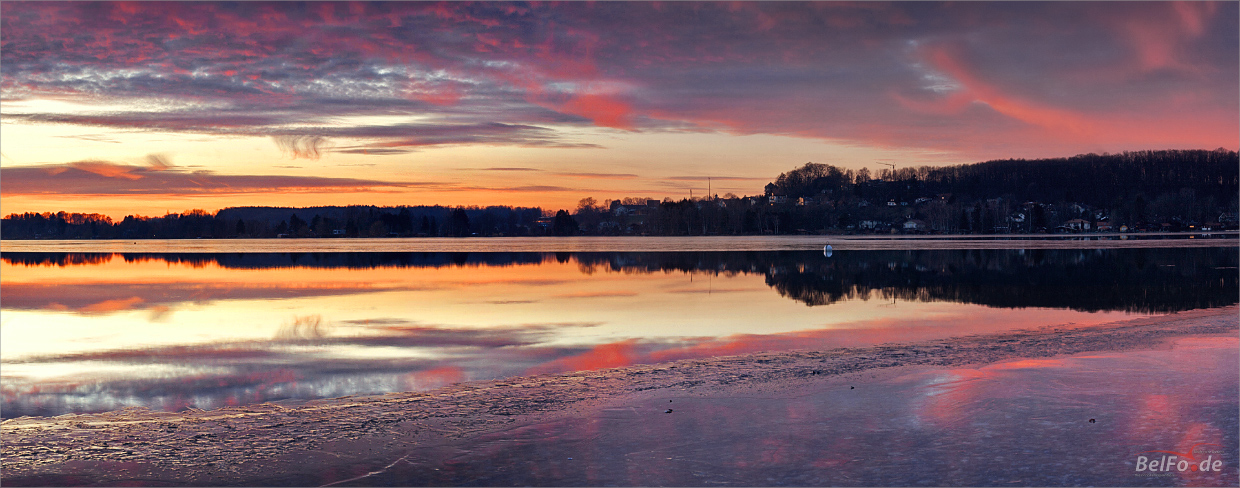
(103, 168)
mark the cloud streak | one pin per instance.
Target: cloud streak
(108, 178)
(925, 75)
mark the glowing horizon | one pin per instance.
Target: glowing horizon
(148, 108)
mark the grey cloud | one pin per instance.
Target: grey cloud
(106, 178)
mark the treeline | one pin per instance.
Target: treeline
(1172, 190)
(268, 222)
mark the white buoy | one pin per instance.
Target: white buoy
(826, 251)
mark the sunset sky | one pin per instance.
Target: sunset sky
(142, 108)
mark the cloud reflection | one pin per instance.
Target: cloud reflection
(280, 368)
(409, 342)
(109, 297)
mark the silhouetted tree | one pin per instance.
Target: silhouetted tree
(458, 223)
(564, 224)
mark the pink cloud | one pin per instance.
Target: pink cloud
(1036, 78)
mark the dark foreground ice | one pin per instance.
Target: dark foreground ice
(1022, 422)
(1051, 407)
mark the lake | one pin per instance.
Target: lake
(91, 326)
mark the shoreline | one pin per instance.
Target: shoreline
(273, 441)
(636, 243)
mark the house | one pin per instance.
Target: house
(1077, 225)
(869, 224)
(776, 199)
(914, 225)
(1103, 227)
(608, 226)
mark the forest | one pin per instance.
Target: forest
(1141, 191)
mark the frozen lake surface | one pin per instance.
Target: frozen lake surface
(1056, 406)
(1024, 422)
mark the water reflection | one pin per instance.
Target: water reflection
(1134, 280)
(93, 332)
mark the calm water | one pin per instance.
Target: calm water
(96, 331)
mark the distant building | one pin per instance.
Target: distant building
(775, 199)
(915, 225)
(1103, 227)
(1076, 225)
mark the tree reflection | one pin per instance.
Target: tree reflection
(1134, 280)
